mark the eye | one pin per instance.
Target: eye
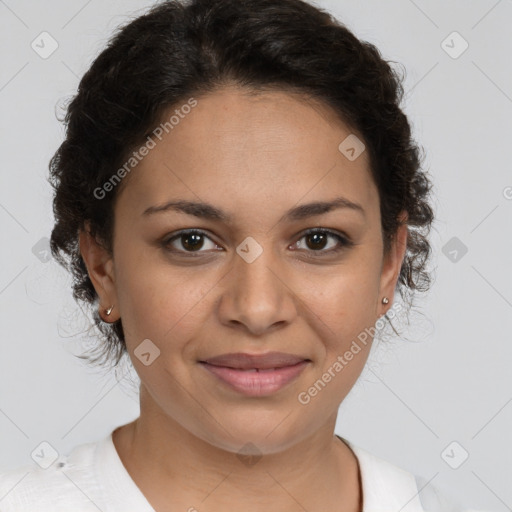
(317, 241)
(191, 240)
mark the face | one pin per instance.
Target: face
(248, 278)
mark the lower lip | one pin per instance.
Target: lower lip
(257, 383)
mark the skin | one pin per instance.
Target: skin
(254, 157)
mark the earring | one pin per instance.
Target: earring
(385, 300)
(109, 310)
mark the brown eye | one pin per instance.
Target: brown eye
(317, 240)
(190, 241)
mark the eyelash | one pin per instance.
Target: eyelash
(344, 241)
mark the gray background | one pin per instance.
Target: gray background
(450, 380)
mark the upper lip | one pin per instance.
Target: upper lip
(244, 361)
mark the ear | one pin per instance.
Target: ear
(100, 267)
(392, 264)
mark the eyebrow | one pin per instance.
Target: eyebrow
(208, 211)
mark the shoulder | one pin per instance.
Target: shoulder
(388, 485)
(435, 500)
(69, 483)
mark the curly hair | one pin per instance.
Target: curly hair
(182, 48)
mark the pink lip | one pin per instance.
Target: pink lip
(245, 361)
(256, 382)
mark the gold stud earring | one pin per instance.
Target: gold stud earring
(385, 300)
(109, 310)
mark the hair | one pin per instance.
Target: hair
(179, 49)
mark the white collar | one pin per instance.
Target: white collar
(386, 487)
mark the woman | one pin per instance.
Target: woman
(238, 197)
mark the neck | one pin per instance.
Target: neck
(176, 470)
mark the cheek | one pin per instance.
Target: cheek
(159, 303)
(345, 301)
(344, 327)
(344, 318)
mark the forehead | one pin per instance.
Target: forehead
(236, 145)
(243, 120)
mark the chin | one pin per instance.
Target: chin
(258, 437)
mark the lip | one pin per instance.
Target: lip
(245, 361)
(256, 375)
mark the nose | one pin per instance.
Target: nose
(258, 296)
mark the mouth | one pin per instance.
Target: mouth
(256, 374)
(245, 361)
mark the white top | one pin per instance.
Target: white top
(93, 478)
